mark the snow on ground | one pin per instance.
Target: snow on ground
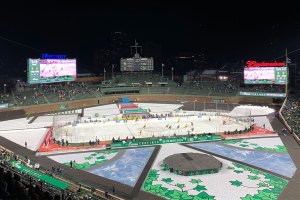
(80, 157)
(271, 142)
(159, 108)
(218, 184)
(19, 124)
(105, 110)
(261, 121)
(48, 120)
(33, 137)
(245, 110)
(14, 124)
(84, 132)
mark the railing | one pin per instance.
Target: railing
(73, 189)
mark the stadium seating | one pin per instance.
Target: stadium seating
(15, 184)
(132, 83)
(291, 113)
(264, 88)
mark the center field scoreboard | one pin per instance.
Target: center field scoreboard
(136, 64)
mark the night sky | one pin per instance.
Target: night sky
(225, 32)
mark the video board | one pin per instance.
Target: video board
(265, 73)
(51, 70)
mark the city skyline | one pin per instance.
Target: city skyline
(224, 33)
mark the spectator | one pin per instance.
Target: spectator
(113, 190)
(106, 194)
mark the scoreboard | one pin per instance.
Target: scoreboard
(136, 64)
(265, 73)
(51, 70)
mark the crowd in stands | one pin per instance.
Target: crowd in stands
(4, 98)
(15, 184)
(12, 186)
(291, 113)
(212, 87)
(68, 91)
(49, 93)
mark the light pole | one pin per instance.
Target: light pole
(287, 61)
(18, 86)
(162, 70)
(195, 104)
(104, 73)
(172, 73)
(112, 70)
(4, 89)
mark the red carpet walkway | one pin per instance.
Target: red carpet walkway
(256, 131)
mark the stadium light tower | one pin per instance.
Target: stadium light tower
(287, 61)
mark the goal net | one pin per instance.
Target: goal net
(62, 125)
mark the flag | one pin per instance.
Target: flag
(288, 60)
(162, 64)
(172, 68)
(104, 70)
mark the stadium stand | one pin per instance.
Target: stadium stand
(263, 88)
(15, 183)
(29, 184)
(291, 113)
(206, 85)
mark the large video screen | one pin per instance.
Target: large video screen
(265, 75)
(51, 70)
